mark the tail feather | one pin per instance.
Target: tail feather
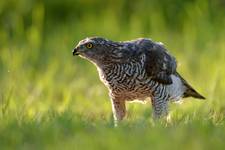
(190, 91)
(193, 93)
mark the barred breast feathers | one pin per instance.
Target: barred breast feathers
(123, 74)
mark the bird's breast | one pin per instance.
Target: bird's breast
(127, 80)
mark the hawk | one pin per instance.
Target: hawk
(136, 70)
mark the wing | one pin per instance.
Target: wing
(159, 63)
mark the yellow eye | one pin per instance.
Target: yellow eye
(89, 45)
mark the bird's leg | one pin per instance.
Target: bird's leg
(119, 110)
(160, 106)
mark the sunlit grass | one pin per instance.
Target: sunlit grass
(52, 100)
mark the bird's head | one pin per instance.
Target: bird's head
(100, 50)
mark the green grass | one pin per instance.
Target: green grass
(52, 100)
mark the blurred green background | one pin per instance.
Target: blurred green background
(52, 100)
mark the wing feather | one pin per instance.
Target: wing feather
(159, 63)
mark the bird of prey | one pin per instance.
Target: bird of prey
(136, 70)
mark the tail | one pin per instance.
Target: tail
(190, 91)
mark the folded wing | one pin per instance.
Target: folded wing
(159, 63)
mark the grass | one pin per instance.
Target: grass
(52, 100)
(71, 131)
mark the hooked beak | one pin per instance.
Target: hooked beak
(75, 52)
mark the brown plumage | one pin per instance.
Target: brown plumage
(136, 69)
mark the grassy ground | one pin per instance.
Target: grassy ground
(52, 100)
